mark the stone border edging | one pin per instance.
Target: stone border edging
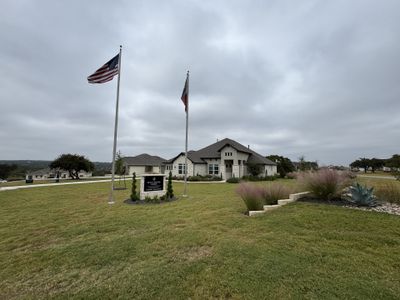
(292, 198)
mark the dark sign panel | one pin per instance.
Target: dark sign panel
(153, 183)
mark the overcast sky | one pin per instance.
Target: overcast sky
(313, 78)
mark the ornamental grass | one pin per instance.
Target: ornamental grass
(325, 184)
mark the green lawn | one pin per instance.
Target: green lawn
(67, 242)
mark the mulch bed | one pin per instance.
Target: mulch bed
(142, 202)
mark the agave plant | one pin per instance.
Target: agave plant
(362, 195)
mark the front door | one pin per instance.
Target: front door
(228, 169)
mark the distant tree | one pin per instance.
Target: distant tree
(393, 162)
(302, 163)
(305, 165)
(6, 170)
(134, 194)
(254, 169)
(284, 164)
(73, 163)
(119, 164)
(376, 163)
(362, 162)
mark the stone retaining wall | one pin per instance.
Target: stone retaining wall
(292, 198)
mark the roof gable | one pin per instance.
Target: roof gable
(214, 151)
(143, 160)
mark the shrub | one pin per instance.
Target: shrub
(389, 192)
(292, 175)
(134, 194)
(258, 178)
(254, 169)
(233, 180)
(362, 195)
(324, 184)
(204, 178)
(275, 192)
(252, 196)
(170, 191)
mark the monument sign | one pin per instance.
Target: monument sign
(152, 185)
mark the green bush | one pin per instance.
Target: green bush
(134, 195)
(259, 178)
(233, 180)
(324, 184)
(389, 192)
(170, 191)
(204, 178)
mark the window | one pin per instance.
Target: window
(228, 153)
(148, 169)
(239, 162)
(213, 169)
(181, 169)
(169, 168)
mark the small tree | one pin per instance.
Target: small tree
(170, 191)
(134, 194)
(119, 164)
(73, 163)
(254, 169)
(284, 164)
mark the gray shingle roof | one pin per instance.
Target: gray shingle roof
(214, 151)
(143, 160)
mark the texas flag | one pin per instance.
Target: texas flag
(185, 93)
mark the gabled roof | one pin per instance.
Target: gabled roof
(193, 156)
(214, 151)
(143, 160)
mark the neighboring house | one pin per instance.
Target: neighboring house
(226, 158)
(143, 164)
(52, 173)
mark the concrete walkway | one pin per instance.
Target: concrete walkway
(18, 187)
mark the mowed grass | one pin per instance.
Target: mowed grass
(66, 242)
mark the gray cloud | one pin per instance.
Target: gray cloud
(313, 78)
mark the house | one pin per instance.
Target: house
(226, 158)
(143, 164)
(48, 173)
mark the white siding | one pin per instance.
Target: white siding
(181, 160)
(200, 169)
(138, 170)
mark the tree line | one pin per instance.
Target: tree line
(73, 163)
(374, 164)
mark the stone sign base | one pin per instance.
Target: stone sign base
(152, 185)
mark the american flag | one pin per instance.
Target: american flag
(106, 72)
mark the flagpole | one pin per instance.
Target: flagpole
(111, 198)
(186, 143)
